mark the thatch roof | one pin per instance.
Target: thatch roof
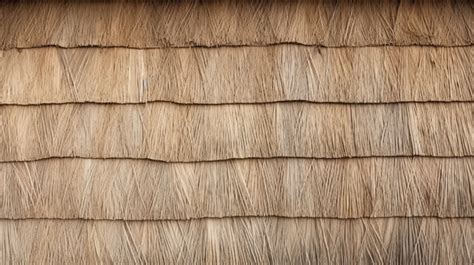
(237, 75)
(336, 188)
(236, 132)
(192, 133)
(154, 24)
(247, 240)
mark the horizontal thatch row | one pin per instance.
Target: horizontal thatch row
(148, 190)
(236, 75)
(239, 241)
(170, 132)
(218, 23)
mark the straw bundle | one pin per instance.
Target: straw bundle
(346, 188)
(233, 75)
(234, 23)
(240, 241)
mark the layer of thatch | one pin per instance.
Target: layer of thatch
(239, 241)
(148, 190)
(170, 132)
(356, 113)
(218, 23)
(236, 75)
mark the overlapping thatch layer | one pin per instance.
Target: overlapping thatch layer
(237, 132)
(237, 75)
(240, 241)
(219, 23)
(149, 190)
(170, 132)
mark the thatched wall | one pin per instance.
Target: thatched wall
(236, 132)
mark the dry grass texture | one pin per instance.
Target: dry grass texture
(233, 75)
(170, 132)
(148, 190)
(356, 113)
(218, 23)
(239, 241)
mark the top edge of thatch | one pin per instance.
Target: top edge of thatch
(159, 24)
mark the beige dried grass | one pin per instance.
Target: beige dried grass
(239, 241)
(170, 132)
(237, 75)
(148, 190)
(217, 23)
(438, 185)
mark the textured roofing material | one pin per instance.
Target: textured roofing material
(153, 24)
(236, 132)
(187, 133)
(134, 189)
(237, 75)
(241, 241)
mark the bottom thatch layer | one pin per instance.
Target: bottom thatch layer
(256, 240)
